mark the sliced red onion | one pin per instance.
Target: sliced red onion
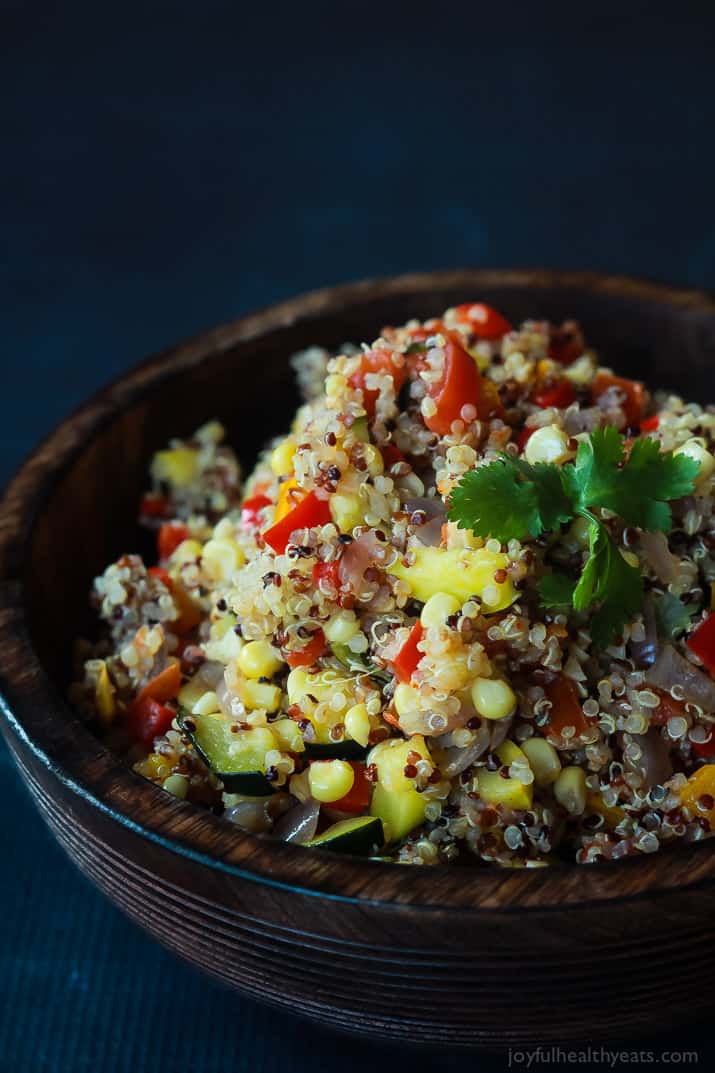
(499, 730)
(249, 816)
(298, 824)
(659, 557)
(670, 669)
(435, 511)
(654, 763)
(458, 760)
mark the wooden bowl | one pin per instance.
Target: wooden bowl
(463, 957)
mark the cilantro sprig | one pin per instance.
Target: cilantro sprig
(511, 499)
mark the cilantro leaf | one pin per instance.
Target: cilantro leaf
(495, 501)
(554, 504)
(609, 581)
(636, 487)
(556, 590)
(671, 615)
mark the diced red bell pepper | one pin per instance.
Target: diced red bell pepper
(420, 334)
(154, 506)
(634, 392)
(308, 655)
(378, 360)
(357, 798)
(566, 710)
(163, 575)
(702, 642)
(329, 572)
(484, 321)
(147, 719)
(566, 343)
(460, 383)
(559, 394)
(391, 455)
(306, 514)
(409, 655)
(250, 510)
(650, 424)
(171, 534)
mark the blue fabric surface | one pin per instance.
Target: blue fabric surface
(167, 166)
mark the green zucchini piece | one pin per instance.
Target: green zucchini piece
(347, 749)
(236, 758)
(361, 835)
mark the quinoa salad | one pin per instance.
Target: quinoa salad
(460, 613)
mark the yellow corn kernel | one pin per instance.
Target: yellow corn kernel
(357, 724)
(104, 702)
(438, 609)
(260, 695)
(459, 572)
(224, 644)
(341, 628)
(612, 814)
(390, 758)
(207, 704)
(493, 698)
(221, 559)
(511, 792)
(543, 760)
(406, 699)
(375, 463)
(330, 779)
(695, 448)
(287, 734)
(177, 465)
(282, 458)
(347, 511)
(187, 552)
(570, 789)
(259, 659)
(549, 444)
(178, 785)
(698, 792)
(581, 371)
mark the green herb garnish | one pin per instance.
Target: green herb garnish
(510, 499)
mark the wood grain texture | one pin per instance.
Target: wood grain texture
(436, 954)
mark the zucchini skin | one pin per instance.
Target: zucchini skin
(340, 750)
(250, 783)
(364, 838)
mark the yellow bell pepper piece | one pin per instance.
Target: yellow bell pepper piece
(390, 759)
(400, 811)
(460, 572)
(612, 814)
(104, 697)
(496, 790)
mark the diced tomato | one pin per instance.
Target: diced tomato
(171, 534)
(704, 749)
(484, 321)
(650, 424)
(163, 575)
(357, 798)
(566, 710)
(154, 506)
(250, 510)
(391, 455)
(164, 686)
(378, 360)
(559, 394)
(420, 334)
(409, 655)
(460, 383)
(702, 642)
(634, 392)
(148, 718)
(306, 514)
(329, 572)
(566, 343)
(308, 655)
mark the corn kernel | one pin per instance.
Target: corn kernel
(259, 659)
(224, 644)
(347, 511)
(570, 790)
(178, 785)
(375, 463)
(260, 695)
(187, 552)
(543, 760)
(406, 699)
(207, 704)
(695, 448)
(493, 698)
(282, 458)
(288, 736)
(221, 559)
(176, 465)
(496, 790)
(390, 758)
(330, 779)
(549, 444)
(341, 628)
(357, 724)
(438, 609)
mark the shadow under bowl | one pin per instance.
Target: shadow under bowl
(455, 956)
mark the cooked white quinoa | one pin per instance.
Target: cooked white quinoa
(506, 735)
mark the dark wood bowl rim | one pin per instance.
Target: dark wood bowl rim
(41, 722)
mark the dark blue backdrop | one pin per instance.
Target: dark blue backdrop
(168, 165)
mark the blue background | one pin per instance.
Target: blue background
(166, 166)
